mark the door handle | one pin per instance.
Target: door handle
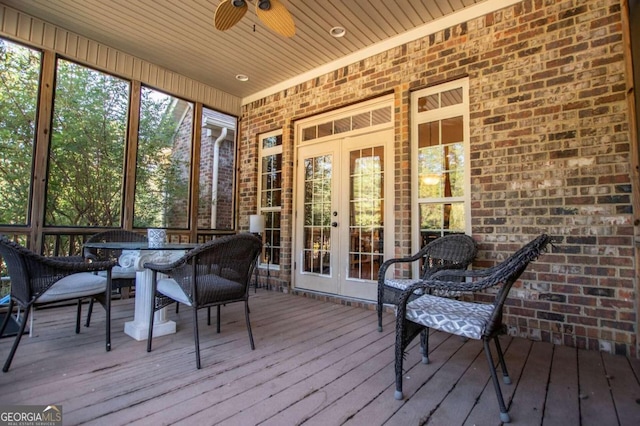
(334, 224)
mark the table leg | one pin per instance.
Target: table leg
(139, 327)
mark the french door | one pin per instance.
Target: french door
(343, 204)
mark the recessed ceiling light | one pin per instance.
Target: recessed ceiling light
(337, 32)
(242, 77)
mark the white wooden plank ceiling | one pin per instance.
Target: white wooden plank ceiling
(179, 34)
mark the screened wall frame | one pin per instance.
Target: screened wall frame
(37, 199)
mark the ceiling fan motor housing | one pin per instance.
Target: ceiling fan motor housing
(264, 4)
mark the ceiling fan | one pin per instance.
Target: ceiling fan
(272, 13)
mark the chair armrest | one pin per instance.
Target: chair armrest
(387, 263)
(77, 264)
(77, 259)
(165, 268)
(434, 271)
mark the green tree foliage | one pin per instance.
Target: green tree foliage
(163, 163)
(19, 79)
(86, 164)
(86, 158)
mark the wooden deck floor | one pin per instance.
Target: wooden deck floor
(315, 363)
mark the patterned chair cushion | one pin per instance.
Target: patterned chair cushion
(453, 316)
(400, 283)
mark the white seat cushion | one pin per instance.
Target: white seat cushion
(453, 316)
(82, 284)
(170, 288)
(119, 273)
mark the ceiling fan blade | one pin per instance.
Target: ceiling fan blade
(227, 15)
(277, 18)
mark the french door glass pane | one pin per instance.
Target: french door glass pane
(317, 219)
(366, 207)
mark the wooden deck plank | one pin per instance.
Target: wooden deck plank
(418, 381)
(527, 407)
(223, 379)
(562, 404)
(625, 389)
(315, 363)
(376, 390)
(335, 375)
(128, 363)
(596, 404)
(445, 374)
(346, 341)
(486, 411)
(460, 399)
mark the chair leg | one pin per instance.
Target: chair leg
(246, 314)
(399, 353)
(89, 311)
(16, 342)
(107, 307)
(218, 323)
(379, 309)
(505, 374)
(151, 315)
(196, 336)
(78, 315)
(504, 416)
(209, 315)
(424, 345)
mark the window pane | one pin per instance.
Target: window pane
(271, 248)
(270, 200)
(86, 159)
(454, 157)
(452, 130)
(272, 141)
(309, 133)
(164, 161)
(217, 165)
(20, 71)
(455, 221)
(451, 97)
(325, 129)
(428, 134)
(430, 217)
(430, 162)
(428, 103)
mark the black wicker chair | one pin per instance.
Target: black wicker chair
(38, 280)
(213, 274)
(472, 320)
(121, 280)
(450, 251)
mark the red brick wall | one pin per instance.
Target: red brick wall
(549, 153)
(224, 201)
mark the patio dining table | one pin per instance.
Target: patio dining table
(134, 256)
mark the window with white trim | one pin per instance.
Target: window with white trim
(270, 194)
(440, 152)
